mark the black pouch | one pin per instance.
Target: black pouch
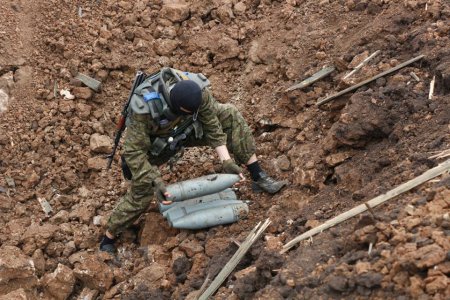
(125, 169)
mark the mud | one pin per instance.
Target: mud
(335, 156)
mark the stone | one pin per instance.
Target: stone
(61, 216)
(97, 163)
(429, 256)
(84, 93)
(239, 8)
(94, 273)
(337, 158)
(283, 163)
(83, 111)
(88, 294)
(176, 11)
(60, 283)
(190, 247)
(165, 47)
(362, 267)
(436, 284)
(338, 283)
(369, 279)
(148, 275)
(19, 294)
(16, 270)
(37, 237)
(100, 143)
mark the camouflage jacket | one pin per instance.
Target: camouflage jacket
(138, 143)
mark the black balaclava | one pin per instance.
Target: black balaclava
(186, 94)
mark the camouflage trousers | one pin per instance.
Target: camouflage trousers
(136, 201)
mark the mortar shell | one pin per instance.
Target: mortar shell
(201, 186)
(179, 212)
(227, 194)
(220, 215)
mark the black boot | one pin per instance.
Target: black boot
(107, 245)
(267, 184)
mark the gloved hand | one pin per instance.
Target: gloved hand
(160, 190)
(230, 167)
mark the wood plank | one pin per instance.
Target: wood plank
(356, 86)
(319, 75)
(430, 174)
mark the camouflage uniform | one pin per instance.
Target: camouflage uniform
(222, 124)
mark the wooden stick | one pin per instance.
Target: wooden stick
(319, 75)
(442, 154)
(352, 88)
(416, 78)
(430, 174)
(362, 64)
(430, 95)
(233, 262)
(203, 287)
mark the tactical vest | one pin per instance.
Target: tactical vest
(153, 97)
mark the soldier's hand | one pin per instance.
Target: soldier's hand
(161, 192)
(230, 167)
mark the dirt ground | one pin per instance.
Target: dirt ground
(335, 156)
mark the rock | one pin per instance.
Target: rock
(94, 273)
(16, 270)
(362, 267)
(360, 122)
(436, 284)
(337, 158)
(84, 213)
(283, 163)
(66, 106)
(6, 203)
(224, 14)
(148, 275)
(83, 111)
(61, 216)
(88, 294)
(176, 11)
(191, 247)
(97, 163)
(165, 47)
(156, 230)
(338, 283)
(181, 266)
(39, 262)
(19, 294)
(428, 256)
(369, 279)
(37, 237)
(239, 8)
(100, 143)
(60, 283)
(225, 48)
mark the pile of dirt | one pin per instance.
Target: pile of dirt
(55, 133)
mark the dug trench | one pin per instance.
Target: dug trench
(335, 156)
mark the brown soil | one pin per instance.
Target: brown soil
(335, 157)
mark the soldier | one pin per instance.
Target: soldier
(156, 131)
